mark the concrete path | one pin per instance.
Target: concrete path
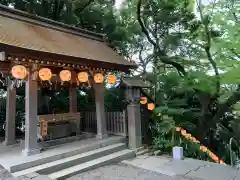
(187, 168)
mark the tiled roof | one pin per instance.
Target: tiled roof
(30, 32)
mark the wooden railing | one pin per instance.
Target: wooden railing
(116, 122)
(89, 122)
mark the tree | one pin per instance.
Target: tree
(209, 85)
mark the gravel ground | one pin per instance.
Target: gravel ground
(121, 172)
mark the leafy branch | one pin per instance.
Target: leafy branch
(82, 8)
(157, 50)
(207, 47)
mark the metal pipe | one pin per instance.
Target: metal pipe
(230, 149)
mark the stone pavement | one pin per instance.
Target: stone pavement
(148, 168)
(187, 168)
(122, 172)
(5, 175)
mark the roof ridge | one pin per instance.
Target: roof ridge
(29, 18)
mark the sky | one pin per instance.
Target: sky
(118, 3)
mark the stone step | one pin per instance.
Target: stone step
(142, 152)
(139, 149)
(114, 157)
(58, 165)
(64, 151)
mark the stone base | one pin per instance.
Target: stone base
(9, 143)
(101, 136)
(134, 141)
(29, 152)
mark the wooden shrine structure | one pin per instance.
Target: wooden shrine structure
(38, 51)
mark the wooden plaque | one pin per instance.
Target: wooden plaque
(44, 126)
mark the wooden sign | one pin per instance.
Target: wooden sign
(60, 117)
(43, 127)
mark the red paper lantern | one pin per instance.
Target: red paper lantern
(151, 106)
(65, 75)
(45, 74)
(19, 72)
(98, 78)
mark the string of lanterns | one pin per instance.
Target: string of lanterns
(150, 106)
(188, 136)
(19, 72)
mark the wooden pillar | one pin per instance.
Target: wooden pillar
(76, 126)
(31, 119)
(100, 111)
(134, 118)
(72, 100)
(10, 114)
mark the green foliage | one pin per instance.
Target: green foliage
(192, 150)
(165, 137)
(207, 48)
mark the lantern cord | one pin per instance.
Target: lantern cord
(49, 82)
(35, 74)
(2, 78)
(56, 85)
(12, 84)
(89, 85)
(18, 84)
(2, 74)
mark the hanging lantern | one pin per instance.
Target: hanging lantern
(150, 106)
(215, 158)
(83, 77)
(221, 162)
(98, 78)
(19, 72)
(194, 139)
(65, 75)
(188, 136)
(45, 74)
(143, 100)
(111, 79)
(203, 148)
(183, 132)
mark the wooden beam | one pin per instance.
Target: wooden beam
(56, 60)
(5, 66)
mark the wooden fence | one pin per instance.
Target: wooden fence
(116, 122)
